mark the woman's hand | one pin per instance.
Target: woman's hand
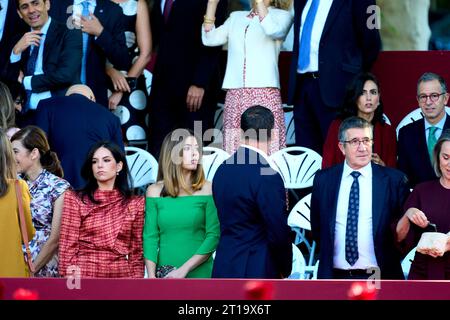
(376, 159)
(178, 273)
(114, 100)
(118, 79)
(417, 217)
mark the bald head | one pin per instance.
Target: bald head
(81, 89)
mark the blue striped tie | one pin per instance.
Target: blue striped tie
(84, 13)
(305, 39)
(351, 231)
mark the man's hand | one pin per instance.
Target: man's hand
(20, 78)
(91, 25)
(194, 98)
(28, 39)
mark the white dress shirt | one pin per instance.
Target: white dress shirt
(35, 97)
(4, 4)
(319, 24)
(366, 249)
(78, 8)
(439, 126)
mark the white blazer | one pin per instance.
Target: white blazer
(258, 48)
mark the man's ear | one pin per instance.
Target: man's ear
(341, 147)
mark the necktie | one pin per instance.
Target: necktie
(305, 39)
(351, 231)
(31, 66)
(431, 141)
(167, 8)
(84, 13)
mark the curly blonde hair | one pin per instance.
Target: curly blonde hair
(281, 4)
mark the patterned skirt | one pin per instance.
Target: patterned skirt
(237, 101)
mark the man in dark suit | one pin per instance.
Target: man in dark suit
(333, 41)
(416, 140)
(354, 209)
(11, 26)
(73, 124)
(186, 77)
(103, 39)
(250, 198)
(55, 64)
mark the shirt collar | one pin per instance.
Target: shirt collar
(365, 171)
(91, 2)
(439, 125)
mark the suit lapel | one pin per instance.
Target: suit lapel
(334, 10)
(379, 183)
(333, 194)
(422, 144)
(49, 41)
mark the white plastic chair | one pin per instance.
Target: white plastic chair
(298, 264)
(297, 166)
(212, 158)
(217, 139)
(407, 261)
(386, 119)
(300, 222)
(414, 116)
(142, 165)
(289, 123)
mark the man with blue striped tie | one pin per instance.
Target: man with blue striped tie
(333, 41)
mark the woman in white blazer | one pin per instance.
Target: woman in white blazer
(254, 40)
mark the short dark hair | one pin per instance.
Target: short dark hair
(430, 76)
(18, 3)
(257, 123)
(353, 91)
(445, 136)
(352, 123)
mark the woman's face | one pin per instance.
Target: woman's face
(104, 166)
(444, 159)
(369, 100)
(18, 103)
(24, 157)
(191, 154)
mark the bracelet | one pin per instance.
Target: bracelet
(208, 21)
(205, 18)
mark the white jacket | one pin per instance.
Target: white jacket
(259, 48)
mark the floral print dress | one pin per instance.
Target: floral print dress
(44, 192)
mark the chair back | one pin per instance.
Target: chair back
(212, 158)
(142, 165)
(297, 166)
(407, 261)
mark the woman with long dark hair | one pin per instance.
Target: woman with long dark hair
(101, 226)
(42, 171)
(362, 99)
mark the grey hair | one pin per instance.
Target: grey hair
(353, 123)
(445, 136)
(430, 76)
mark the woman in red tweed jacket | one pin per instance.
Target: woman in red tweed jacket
(101, 226)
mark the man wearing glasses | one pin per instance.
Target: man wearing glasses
(353, 206)
(417, 140)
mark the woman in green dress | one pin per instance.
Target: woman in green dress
(181, 224)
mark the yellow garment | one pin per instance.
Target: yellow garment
(12, 262)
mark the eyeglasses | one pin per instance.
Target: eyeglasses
(433, 97)
(354, 143)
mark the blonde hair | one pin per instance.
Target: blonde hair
(7, 163)
(7, 109)
(280, 4)
(170, 165)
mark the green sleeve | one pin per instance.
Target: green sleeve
(212, 229)
(151, 231)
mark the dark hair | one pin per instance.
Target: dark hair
(445, 136)
(430, 76)
(353, 123)
(123, 179)
(33, 137)
(257, 123)
(18, 3)
(17, 90)
(353, 91)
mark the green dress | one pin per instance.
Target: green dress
(175, 229)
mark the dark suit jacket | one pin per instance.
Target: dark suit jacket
(389, 192)
(413, 158)
(182, 60)
(14, 26)
(61, 61)
(347, 46)
(251, 203)
(73, 124)
(109, 45)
